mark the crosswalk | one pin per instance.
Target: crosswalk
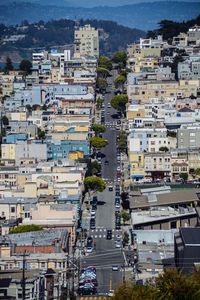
(94, 298)
(102, 232)
(112, 124)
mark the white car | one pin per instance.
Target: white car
(89, 249)
(111, 293)
(109, 106)
(115, 268)
(93, 213)
(118, 244)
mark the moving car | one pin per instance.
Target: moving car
(115, 268)
(109, 234)
(106, 162)
(118, 244)
(92, 224)
(110, 188)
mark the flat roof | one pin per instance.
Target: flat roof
(175, 197)
(190, 236)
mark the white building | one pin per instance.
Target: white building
(87, 41)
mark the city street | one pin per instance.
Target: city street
(105, 254)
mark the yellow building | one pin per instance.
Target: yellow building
(135, 111)
(8, 151)
(18, 116)
(75, 155)
(137, 165)
(146, 90)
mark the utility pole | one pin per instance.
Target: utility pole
(23, 277)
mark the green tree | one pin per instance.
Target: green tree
(119, 102)
(41, 134)
(119, 81)
(25, 66)
(163, 149)
(105, 62)
(99, 103)
(184, 176)
(120, 58)
(26, 228)
(101, 84)
(28, 107)
(94, 183)
(102, 72)
(98, 128)
(126, 238)
(98, 142)
(5, 120)
(125, 216)
(93, 168)
(173, 285)
(131, 291)
(8, 65)
(197, 171)
(122, 143)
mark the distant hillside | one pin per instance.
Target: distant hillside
(61, 32)
(168, 29)
(144, 15)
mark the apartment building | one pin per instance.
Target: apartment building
(158, 165)
(86, 41)
(144, 91)
(188, 137)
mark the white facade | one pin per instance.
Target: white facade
(87, 41)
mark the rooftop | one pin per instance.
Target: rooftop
(42, 237)
(160, 213)
(166, 199)
(190, 236)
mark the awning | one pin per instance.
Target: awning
(137, 176)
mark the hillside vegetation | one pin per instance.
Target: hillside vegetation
(61, 32)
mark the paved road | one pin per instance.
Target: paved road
(105, 255)
(109, 171)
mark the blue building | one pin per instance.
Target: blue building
(58, 150)
(12, 138)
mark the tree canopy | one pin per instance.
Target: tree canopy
(101, 84)
(8, 65)
(5, 120)
(102, 72)
(98, 128)
(94, 183)
(119, 102)
(93, 168)
(170, 285)
(105, 62)
(120, 58)
(98, 142)
(25, 65)
(119, 81)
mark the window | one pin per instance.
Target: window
(12, 209)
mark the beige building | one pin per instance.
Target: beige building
(146, 90)
(8, 151)
(87, 41)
